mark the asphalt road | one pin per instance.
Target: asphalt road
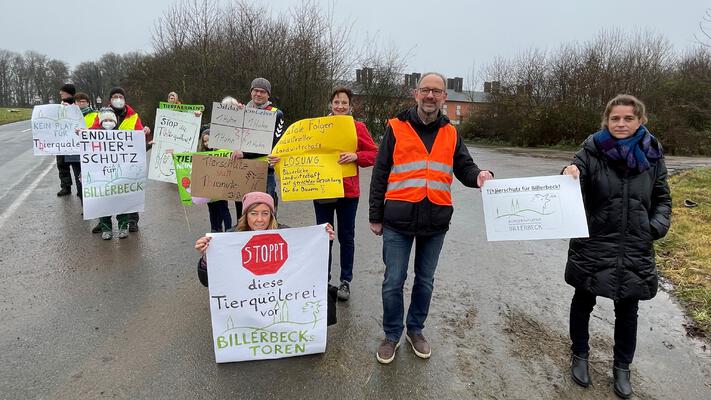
(83, 318)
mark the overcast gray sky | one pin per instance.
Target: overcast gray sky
(447, 36)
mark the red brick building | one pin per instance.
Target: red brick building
(460, 104)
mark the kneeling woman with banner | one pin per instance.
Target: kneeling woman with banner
(259, 215)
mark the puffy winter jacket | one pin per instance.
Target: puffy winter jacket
(626, 211)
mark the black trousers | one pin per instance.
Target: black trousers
(133, 217)
(625, 326)
(238, 206)
(65, 173)
(220, 218)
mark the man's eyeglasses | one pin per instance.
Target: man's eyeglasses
(435, 92)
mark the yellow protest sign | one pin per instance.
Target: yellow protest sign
(334, 134)
(310, 177)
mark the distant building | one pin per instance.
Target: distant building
(459, 106)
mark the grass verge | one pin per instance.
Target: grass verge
(8, 115)
(684, 255)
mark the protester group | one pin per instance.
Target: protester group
(620, 169)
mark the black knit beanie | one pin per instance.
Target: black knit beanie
(115, 90)
(69, 88)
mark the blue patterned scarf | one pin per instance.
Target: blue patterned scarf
(635, 151)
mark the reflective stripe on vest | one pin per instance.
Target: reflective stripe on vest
(129, 124)
(415, 172)
(415, 165)
(89, 118)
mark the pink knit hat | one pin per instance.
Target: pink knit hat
(257, 197)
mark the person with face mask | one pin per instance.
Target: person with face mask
(126, 119)
(108, 118)
(66, 97)
(108, 121)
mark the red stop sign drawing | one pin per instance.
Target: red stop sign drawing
(265, 254)
(185, 182)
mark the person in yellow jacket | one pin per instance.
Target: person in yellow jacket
(126, 119)
(81, 99)
(411, 202)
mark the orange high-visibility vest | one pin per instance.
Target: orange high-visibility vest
(415, 172)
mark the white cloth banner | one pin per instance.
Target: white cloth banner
(245, 129)
(113, 172)
(54, 129)
(542, 207)
(176, 131)
(268, 293)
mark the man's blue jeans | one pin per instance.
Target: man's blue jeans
(396, 256)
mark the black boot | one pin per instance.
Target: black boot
(579, 369)
(622, 386)
(65, 191)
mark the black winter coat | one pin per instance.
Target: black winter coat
(626, 211)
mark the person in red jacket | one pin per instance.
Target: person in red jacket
(345, 208)
(128, 120)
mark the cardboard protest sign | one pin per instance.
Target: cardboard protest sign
(183, 163)
(221, 178)
(53, 129)
(189, 108)
(113, 172)
(268, 293)
(334, 134)
(539, 207)
(174, 132)
(244, 129)
(310, 177)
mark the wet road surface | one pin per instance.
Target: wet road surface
(85, 318)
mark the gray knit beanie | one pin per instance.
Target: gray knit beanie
(261, 83)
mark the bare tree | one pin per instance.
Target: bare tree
(87, 77)
(558, 97)
(206, 50)
(704, 35)
(6, 84)
(382, 86)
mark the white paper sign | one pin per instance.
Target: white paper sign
(176, 131)
(543, 207)
(246, 129)
(54, 129)
(268, 293)
(113, 172)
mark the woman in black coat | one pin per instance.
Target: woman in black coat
(624, 184)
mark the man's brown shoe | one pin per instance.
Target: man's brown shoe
(419, 345)
(386, 351)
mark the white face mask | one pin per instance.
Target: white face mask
(108, 124)
(118, 103)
